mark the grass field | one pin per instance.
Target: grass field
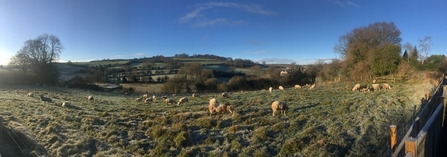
(97, 63)
(330, 120)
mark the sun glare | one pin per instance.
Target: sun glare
(4, 59)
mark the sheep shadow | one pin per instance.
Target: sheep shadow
(74, 107)
(305, 107)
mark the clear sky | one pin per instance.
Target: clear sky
(290, 31)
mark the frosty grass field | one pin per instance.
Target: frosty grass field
(330, 120)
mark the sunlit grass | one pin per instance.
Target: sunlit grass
(330, 120)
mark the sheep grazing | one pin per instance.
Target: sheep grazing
(270, 89)
(148, 100)
(376, 87)
(90, 98)
(154, 98)
(225, 95)
(169, 101)
(139, 99)
(213, 106)
(281, 88)
(281, 106)
(356, 87)
(194, 95)
(365, 88)
(65, 104)
(312, 87)
(30, 94)
(297, 87)
(224, 108)
(182, 100)
(45, 99)
(386, 86)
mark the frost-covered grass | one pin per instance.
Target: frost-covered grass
(330, 120)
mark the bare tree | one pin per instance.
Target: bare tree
(256, 70)
(37, 56)
(408, 48)
(425, 47)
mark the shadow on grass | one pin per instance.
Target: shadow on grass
(305, 107)
(15, 143)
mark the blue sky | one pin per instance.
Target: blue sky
(290, 31)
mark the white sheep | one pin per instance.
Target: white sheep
(365, 89)
(270, 89)
(182, 100)
(90, 98)
(356, 87)
(312, 87)
(169, 101)
(148, 100)
(154, 98)
(224, 108)
(281, 88)
(297, 87)
(386, 86)
(194, 95)
(66, 104)
(213, 106)
(376, 87)
(225, 95)
(281, 106)
(145, 96)
(30, 94)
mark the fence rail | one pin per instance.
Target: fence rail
(422, 137)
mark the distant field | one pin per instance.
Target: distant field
(330, 120)
(68, 71)
(216, 67)
(97, 63)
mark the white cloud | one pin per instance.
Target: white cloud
(210, 22)
(277, 61)
(257, 52)
(139, 54)
(344, 4)
(203, 21)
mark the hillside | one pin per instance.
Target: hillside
(330, 120)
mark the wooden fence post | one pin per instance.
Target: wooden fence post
(410, 146)
(415, 131)
(393, 138)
